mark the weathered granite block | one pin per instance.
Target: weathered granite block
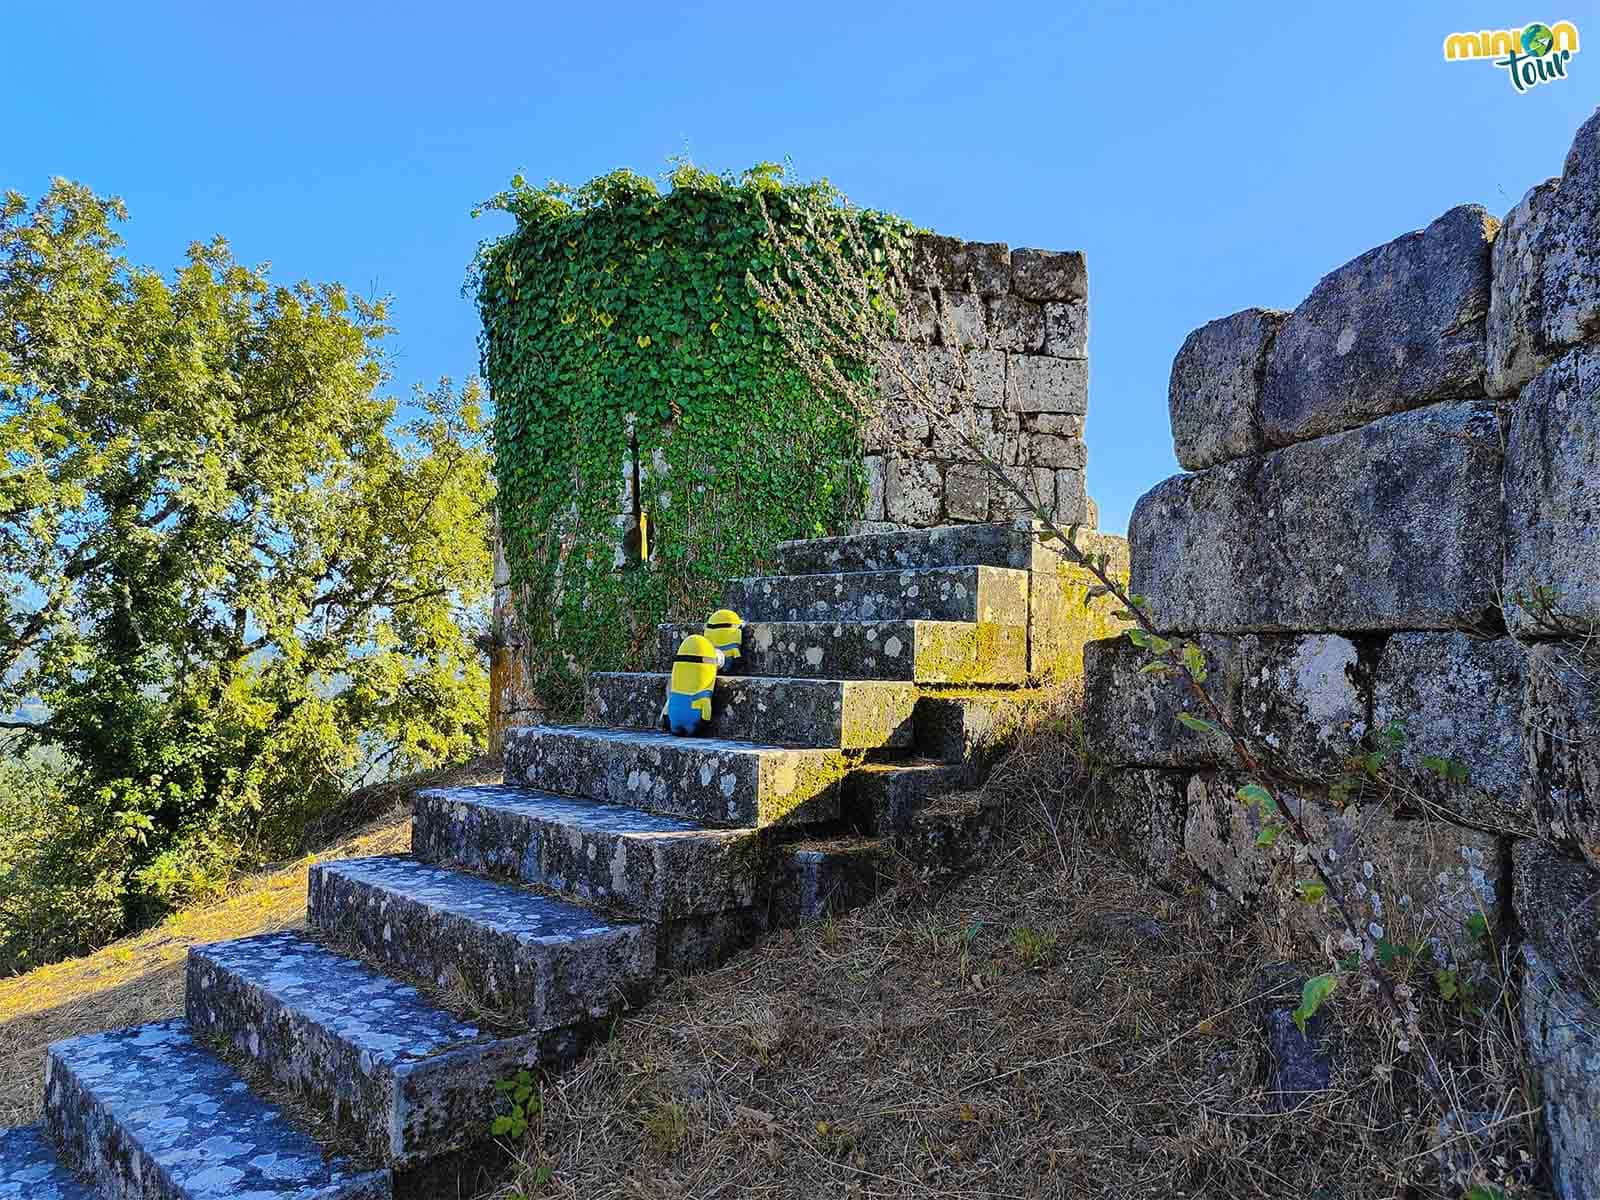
(147, 1113)
(705, 779)
(1552, 485)
(1396, 525)
(1146, 812)
(950, 264)
(918, 651)
(1038, 488)
(1397, 328)
(914, 491)
(948, 832)
(1301, 700)
(922, 320)
(966, 493)
(655, 867)
(972, 726)
(995, 594)
(836, 713)
(998, 544)
(899, 426)
(877, 480)
(962, 321)
(1066, 330)
(1458, 697)
(1066, 616)
(1052, 450)
(933, 381)
(1214, 395)
(1546, 296)
(1561, 745)
(1049, 275)
(400, 1078)
(1407, 879)
(30, 1170)
(701, 943)
(1037, 383)
(1131, 719)
(1016, 324)
(816, 879)
(881, 798)
(548, 963)
(960, 437)
(1305, 699)
(1068, 425)
(1192, 549)
(1557, 901)
(1561, 1031)
(1072, 498)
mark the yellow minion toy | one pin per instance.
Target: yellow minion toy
(725, 631)
(694, 677)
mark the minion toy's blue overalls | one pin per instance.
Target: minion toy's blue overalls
(694, 678)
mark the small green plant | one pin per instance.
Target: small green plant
(520, 1096)
(666, 1125)
(834, 1140)
(543, 1176)
(1034, 948)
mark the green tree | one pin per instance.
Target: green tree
(232, 580)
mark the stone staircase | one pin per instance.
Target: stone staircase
(352, 1059)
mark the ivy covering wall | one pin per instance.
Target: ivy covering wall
(618, 306)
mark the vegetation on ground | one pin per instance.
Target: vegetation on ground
(1050, 1025)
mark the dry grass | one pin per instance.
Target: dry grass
(1050, 1025)
(140, 978)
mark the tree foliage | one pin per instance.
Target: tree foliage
(231, 578)
(615, 309)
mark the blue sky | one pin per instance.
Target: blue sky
(1207, 157)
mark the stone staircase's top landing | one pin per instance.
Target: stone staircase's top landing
(997, 544)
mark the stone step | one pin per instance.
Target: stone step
(994, 594)
(999, 544)
(705, 779)
(30, 1170)
(821, 878)
(882, 798)
(971, 725)
(657, 867)
(541, 961)
(954, 652)
(857, 714)
(148, 1114)
(401, 1078)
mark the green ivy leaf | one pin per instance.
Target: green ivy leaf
(1313, 995)
(1200, 725)
(1255, 796)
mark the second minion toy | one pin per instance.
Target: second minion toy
(725, 631)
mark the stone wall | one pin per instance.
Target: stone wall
(1392, 516)
(1002, 339)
